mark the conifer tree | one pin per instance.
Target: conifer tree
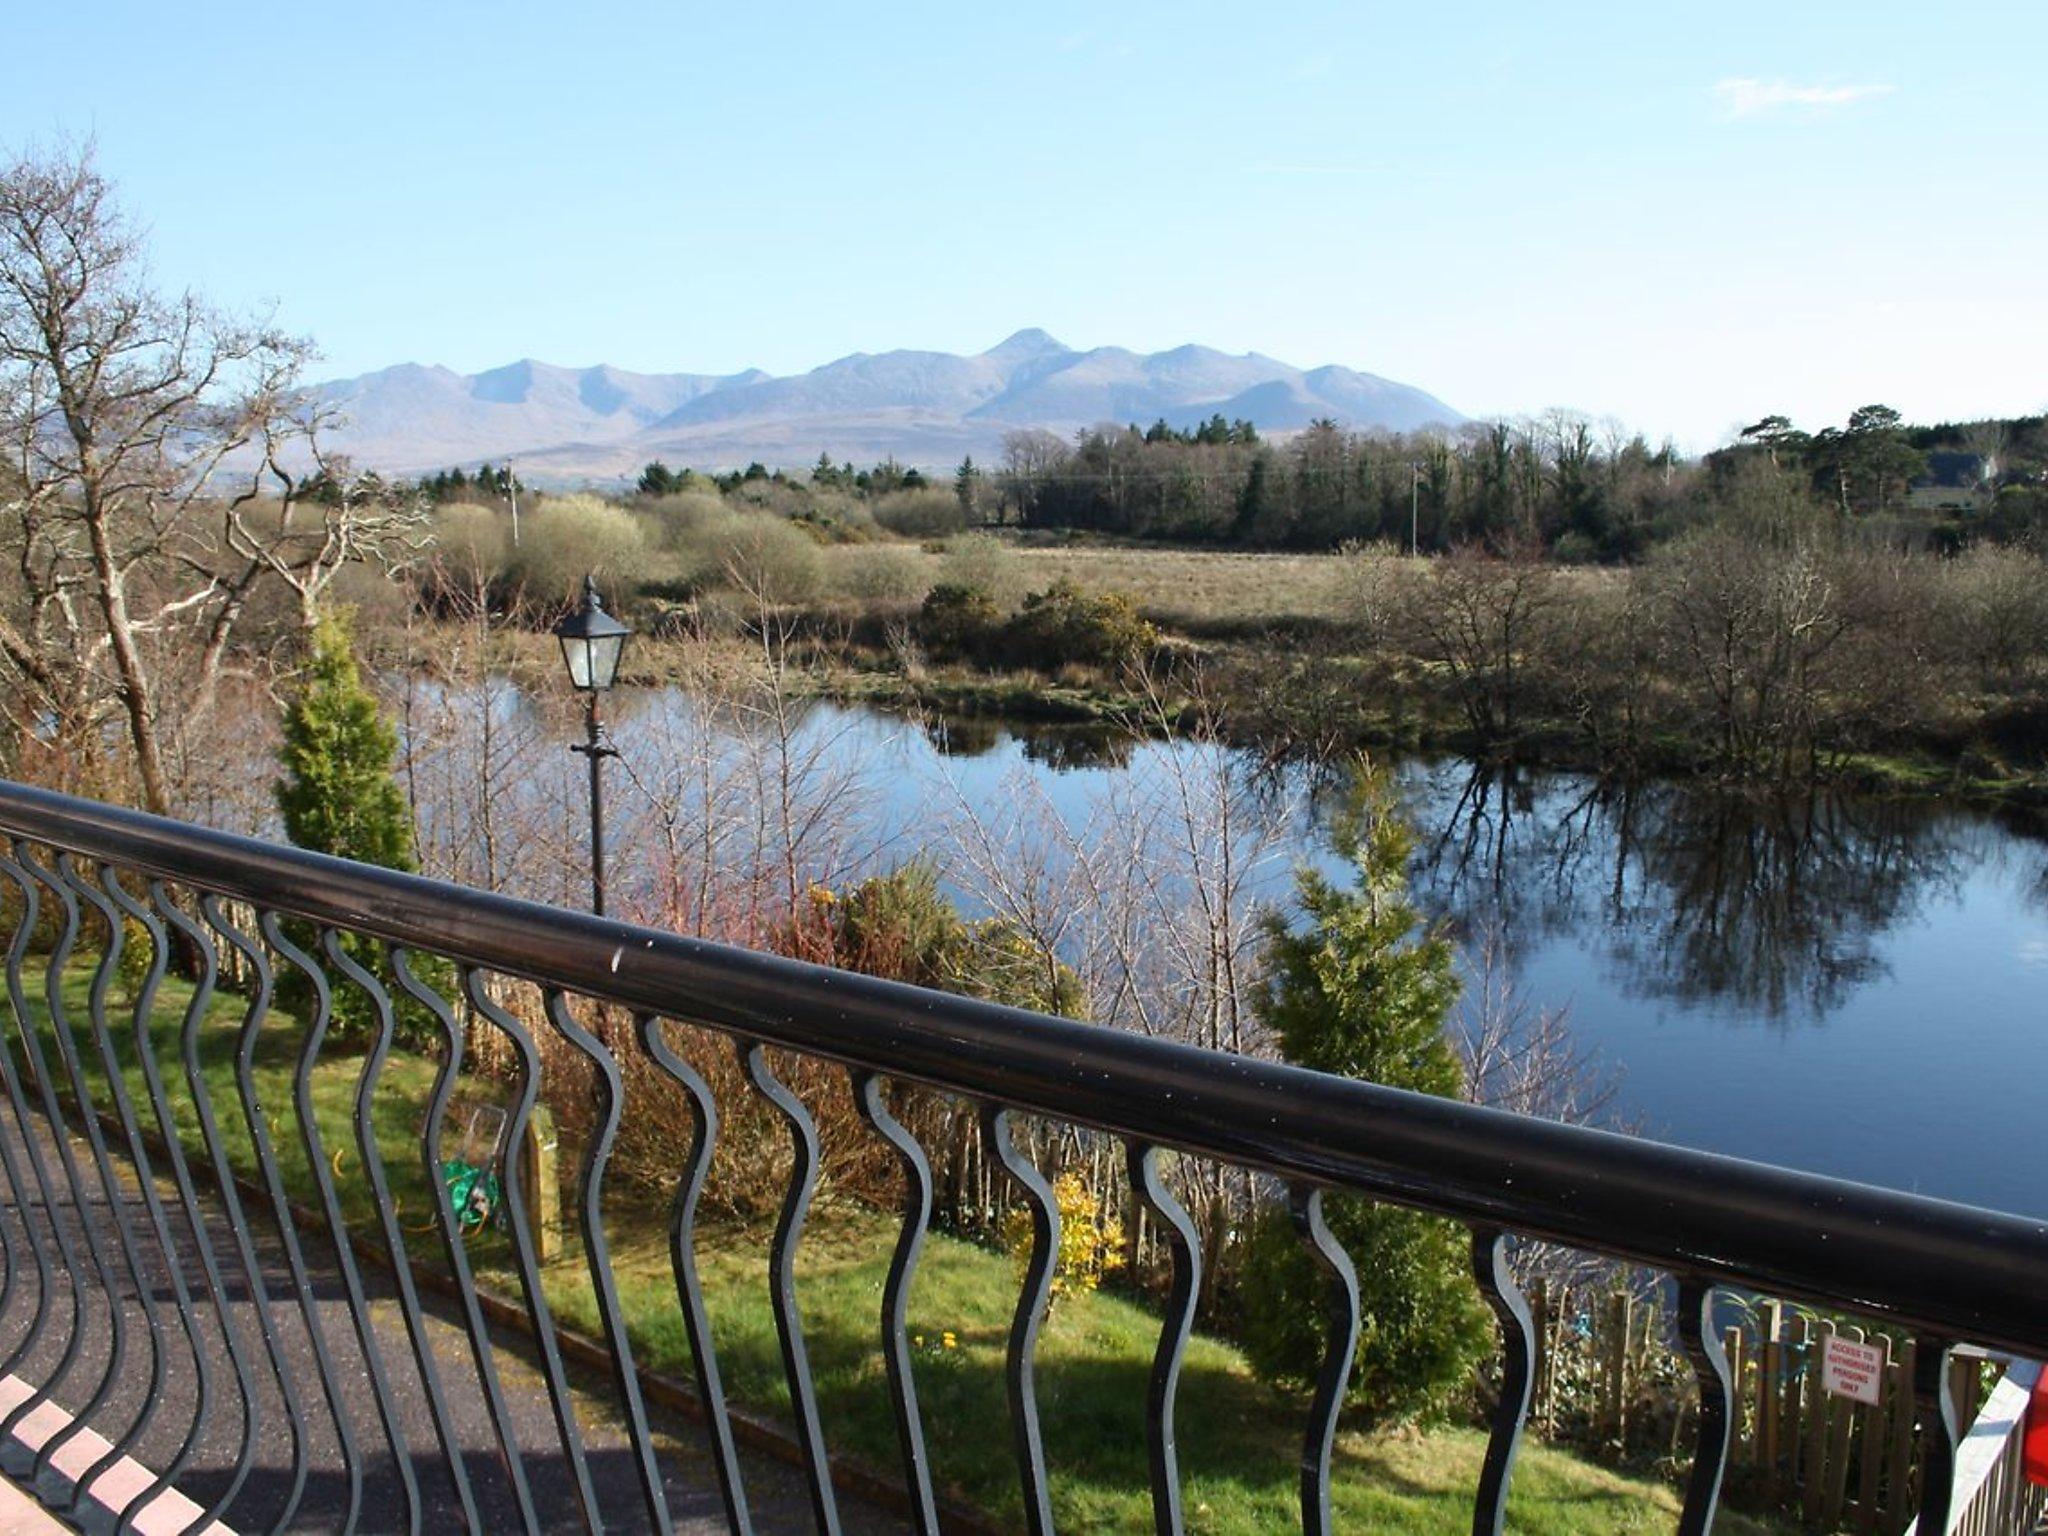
(967, 488)
(338, 796)
(1362, 988)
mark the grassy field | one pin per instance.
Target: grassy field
(1239, 1438)
(1197, 590)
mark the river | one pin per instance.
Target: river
(1836, 983)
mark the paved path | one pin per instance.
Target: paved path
(775, 1489)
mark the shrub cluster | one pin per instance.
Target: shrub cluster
(1059, 627)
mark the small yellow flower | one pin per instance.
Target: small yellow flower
(950, 1341)
(917, 1339)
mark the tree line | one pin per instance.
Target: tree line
(1560, 482)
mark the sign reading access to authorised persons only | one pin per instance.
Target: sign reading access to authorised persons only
(1852, 1370)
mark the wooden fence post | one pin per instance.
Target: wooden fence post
(1813, 1432)
(1899, 1501)
(1789, 1391)
(1770, 1370)
(1835, 1473)
(1872, 1446)
(540, 1184)
(1619, 1320)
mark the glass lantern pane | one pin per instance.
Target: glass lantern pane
(576, 652)
(604, 659)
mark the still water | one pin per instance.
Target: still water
(1852, 986)
(1841, 984)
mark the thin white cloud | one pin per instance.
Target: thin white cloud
(1306, 168)
(1745, 97)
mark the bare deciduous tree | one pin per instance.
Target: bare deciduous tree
(124, 414)
(1029, 456)
(1477, 615)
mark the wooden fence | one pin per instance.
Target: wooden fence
(1610, 1377)
(1993, 1496)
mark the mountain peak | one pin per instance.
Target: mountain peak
(1027, 343)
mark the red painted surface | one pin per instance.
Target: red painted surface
(2034, 1450)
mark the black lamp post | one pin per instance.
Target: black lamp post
(592, 642)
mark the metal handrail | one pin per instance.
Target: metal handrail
(1946, 1272)
(1930, 1265)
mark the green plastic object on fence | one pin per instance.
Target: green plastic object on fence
(473, 1193)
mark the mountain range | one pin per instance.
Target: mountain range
(564, 425)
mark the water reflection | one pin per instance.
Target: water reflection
(1774, 908)
(1059, 747)
(1775, 904)
(1893, 950)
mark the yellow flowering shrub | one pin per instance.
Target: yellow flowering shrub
(1091, 1240)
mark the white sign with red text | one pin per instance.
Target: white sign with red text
(1852, 1370)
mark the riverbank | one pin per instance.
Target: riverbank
(1764, 656)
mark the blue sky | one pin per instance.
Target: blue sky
(1682, 216)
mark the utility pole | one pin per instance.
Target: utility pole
(512, 490)
(1414, 511)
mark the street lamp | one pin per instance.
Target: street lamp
(592, 642)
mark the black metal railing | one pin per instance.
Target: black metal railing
(143, 1306)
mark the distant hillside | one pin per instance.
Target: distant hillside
(925, 408)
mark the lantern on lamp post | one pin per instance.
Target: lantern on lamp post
(592, 643)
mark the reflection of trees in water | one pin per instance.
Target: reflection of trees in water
(2025, 827)
(1058, 747)
(962, 735)
(1697, 894)
(1077, 746)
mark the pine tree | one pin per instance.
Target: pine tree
(338, 796)
(657, 479)
(1361, 988)
(967, 488)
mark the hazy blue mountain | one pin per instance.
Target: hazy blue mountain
(921, 407)
(412, 417)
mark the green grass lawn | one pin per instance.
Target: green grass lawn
(1239, 1439)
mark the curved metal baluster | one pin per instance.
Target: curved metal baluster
(330, 1207)
(448, 1225)
(111, 912)
(61, 885)
(287, 1227)
(1031, 1304)
(597, 1156)
(25, 1346)
(1306, 1206)
(231, 1199)
(58, 1130)
(682, 1250)
(1702, 1341)
(1517, 1376)
(387, 1221)
(11, 1262)
(789, 1322)
(917, 1214)
(195, 1218)
(1939, 1432)
(522, 1246)
(1174, 1332)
